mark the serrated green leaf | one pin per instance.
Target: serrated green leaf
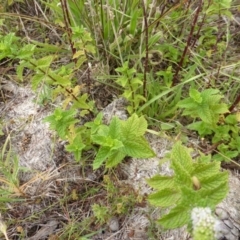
(96, 124)
(101, 156)
(208, 92)
(189, 197)
(161, 182)
(181, 163)
(212, 181)
(36, 80)
(206, 114)
(21, 67)
(215, 195)
(134, 126)
(44, 62)
(221, 133)
(195, 95)
(202, 128)
(187, 103)
(64, 81)
(61, 120)
(76, 147)
(137, 82)
(220, 108)
(202, 170)
(81, 102)
(115, 158)
(99, 139)
(26, 52)
(137, 147)
(235, 143)
(164, 198)
(177, 217)
(207, 108)
(115, 128)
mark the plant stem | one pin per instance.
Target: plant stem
(190, 37)
(68, 26)
(147, 50)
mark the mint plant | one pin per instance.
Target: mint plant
(61, 120)
(116, 141)
(195, 183)
(205, 105)
(211, 119)
(120, 139)
(131, 83)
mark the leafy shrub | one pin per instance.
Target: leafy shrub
(195, 183)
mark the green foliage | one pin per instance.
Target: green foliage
(131, 83)
(194, 184)
(100, 212)
(116, 141)
(119, 200)
(205, 105)
(9, 174)
(61, 121)
(224, 131)
(76, 147)
(120, 139)
(155, 54)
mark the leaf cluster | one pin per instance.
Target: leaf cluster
(208, 111)
(194, 184)
(131, 83)
(120, 139)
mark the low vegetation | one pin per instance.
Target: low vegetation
(176, 65)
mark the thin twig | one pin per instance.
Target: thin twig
(68, 26)
(147, 51)
(190, 37)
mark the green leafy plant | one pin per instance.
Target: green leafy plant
(215, 121)
(11, 189)
(205, 105)
(119, 200)
(116, 141)
(131, 83)
(62, 120)
(120, 139)
(195, 183)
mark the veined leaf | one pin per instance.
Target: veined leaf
(195, 95)
(165, 198)
(81, 102)
(26, 52)
(76, 147)
(202, 170)
(212, 181)
(137, 147)
(64, 81)
(44, 62)
(161, 182)
(177, 217)
(134, 126)
(201, 127)
(215, 195)
(101, 156)
(181, 161)
(115, 158)
(37, 79)
(115, 128)
(60, 121)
